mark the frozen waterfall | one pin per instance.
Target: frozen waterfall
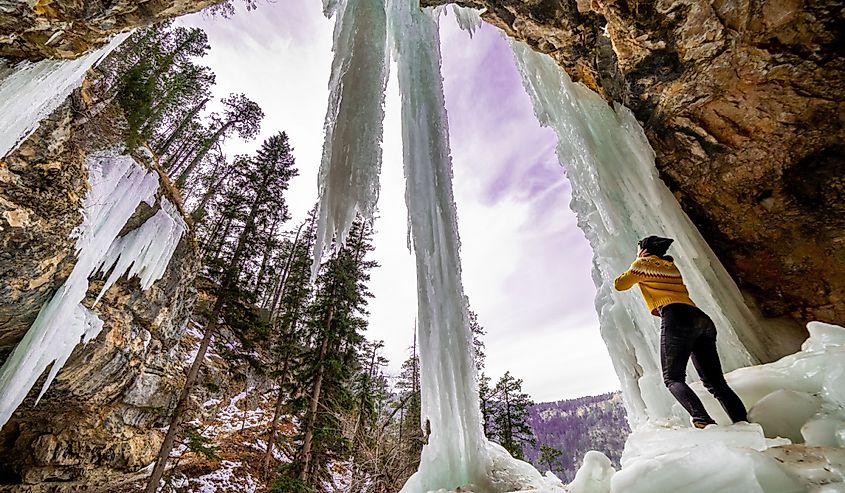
(349, 172)
(454, 455)
(29, 91)
(117, 186)
(619, 199)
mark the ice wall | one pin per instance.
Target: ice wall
(29, 91)
(117, 186)
(619, 198)
(349, 172)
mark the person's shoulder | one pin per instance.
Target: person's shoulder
(647, 261)
(651, 264)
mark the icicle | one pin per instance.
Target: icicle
(351, 161)
(619, 198)
(31, 91)
(146, 251)
(118, 186)
(468, 19)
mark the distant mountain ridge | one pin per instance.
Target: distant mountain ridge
(575, 426)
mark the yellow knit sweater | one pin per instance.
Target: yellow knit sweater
(660, 282)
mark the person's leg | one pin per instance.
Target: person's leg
(675, 349)
(705, 358)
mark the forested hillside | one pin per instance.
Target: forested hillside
(566, 429)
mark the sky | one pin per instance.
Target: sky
(526, 265)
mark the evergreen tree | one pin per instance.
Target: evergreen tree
(335, 320)
(241, 115)
(549, 457)
(292, 292)
(510, 426)
(411, 437)
(154, 78)
(264, 180)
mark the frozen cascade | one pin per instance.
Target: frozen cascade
(117, 186)
(31, 91)
(457, 453)
(351, 162)
(616, 191)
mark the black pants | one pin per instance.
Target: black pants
(688, 332)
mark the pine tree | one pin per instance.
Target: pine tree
(292, 292)
(264, 180)
(335, 320)
(510, 425)
(411, 438)
(549, 457)
(242, 115)
(154, 78)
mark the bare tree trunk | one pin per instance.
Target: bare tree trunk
(181, 405)
(277, 414)
(285, 273)
(183, 177)
(181, 127)
(315, 401)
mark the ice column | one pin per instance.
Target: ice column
(118, 186)
(619, 198)
(351, 163)
(454, 455)
(31, 91)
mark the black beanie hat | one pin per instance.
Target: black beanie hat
(655, 245)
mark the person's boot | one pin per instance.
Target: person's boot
(701, 424)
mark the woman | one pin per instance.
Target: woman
(685, 331)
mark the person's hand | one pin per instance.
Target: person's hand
(641, 252)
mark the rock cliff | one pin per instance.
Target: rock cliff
(38, 29)
(744, 104)
(101, 412)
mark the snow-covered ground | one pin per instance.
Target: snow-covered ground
(801, 396)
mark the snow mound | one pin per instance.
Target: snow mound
(795, 399)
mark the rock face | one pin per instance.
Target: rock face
(38, 29)
(101, 412)
(744, 104)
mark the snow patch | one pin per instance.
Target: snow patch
(747, 457)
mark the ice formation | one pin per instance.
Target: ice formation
(29, 91)
(448, 390)
(468, 19)
(615, 191)
(740, 458)
(349, 172)
(117, 186)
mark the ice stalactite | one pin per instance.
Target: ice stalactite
(457, 453)
(29, 92)
(619, 198)
(468, 19)
(118, 186)
(449, 392)
(351, 163)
